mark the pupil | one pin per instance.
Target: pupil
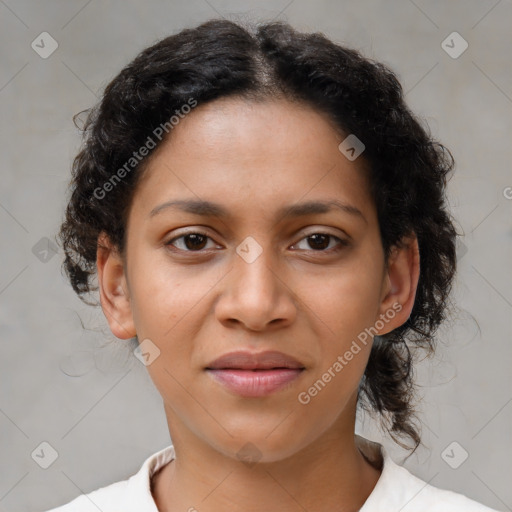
(316, 239)
(196, 241)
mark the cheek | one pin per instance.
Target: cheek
(347, 308)
(334, 381)
(168, 306)
(347, 301)
(165, 293)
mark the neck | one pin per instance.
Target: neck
(329, 474)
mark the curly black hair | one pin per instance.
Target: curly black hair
(221, 58)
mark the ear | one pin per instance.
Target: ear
(114, 297)
(400, 284)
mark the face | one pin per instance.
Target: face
(279, 278)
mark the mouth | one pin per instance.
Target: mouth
(255, 374)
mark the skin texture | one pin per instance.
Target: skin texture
(253, 159)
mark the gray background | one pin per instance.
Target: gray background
(83, 392)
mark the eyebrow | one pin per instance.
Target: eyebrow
(210, 209)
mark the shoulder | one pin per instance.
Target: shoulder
(398, 489)
(417, 495)
(131, 495)
(103, 499)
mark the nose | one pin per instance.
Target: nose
(256, 294)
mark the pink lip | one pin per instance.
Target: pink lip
(255, 374)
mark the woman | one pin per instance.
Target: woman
(266, 220)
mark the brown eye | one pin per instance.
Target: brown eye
(322, 242)
(318, 241)
(190, 242)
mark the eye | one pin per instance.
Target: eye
(320, 242)
(196, 241)
(190, 242)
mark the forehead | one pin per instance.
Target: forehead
(245, 153)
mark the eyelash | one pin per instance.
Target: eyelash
(341, 243)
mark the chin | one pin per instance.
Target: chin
(263, 445)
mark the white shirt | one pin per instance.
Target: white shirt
(397, 490)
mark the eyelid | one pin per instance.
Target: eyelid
(342, 234)
(192, 231)
(312, 230)
(342, 242)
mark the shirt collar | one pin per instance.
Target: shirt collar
(140, 484)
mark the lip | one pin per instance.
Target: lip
(245, 360)
(252, 374)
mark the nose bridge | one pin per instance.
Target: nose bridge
(254, 267)
(256, 294)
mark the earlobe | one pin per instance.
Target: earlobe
(401, 283)
(113, 289)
